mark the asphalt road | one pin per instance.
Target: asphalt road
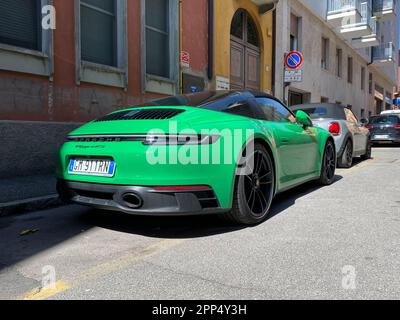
(337, 242)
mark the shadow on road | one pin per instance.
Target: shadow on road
(56, 226)
(191, 226)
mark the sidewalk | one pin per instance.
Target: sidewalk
(21, 194)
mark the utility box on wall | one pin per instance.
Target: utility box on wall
(192, 84)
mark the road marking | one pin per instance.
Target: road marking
(102, 270)
(41, 294)
(127, 260)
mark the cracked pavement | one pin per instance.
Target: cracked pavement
(299, 253)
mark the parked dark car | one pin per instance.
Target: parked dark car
(384, 129)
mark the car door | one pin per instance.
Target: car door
(297, 147)
(359, 136)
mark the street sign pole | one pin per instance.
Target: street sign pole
(291, 70)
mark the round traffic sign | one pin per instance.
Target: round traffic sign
(294, 60)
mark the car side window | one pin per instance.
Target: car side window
(274, 111)
(240, 109)
(350, 116)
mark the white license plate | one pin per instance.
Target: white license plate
(92, 167)
(381, 137)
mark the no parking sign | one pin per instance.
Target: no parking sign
(294, 60)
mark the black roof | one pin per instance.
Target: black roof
(205, 97)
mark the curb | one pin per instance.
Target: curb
(28, 205)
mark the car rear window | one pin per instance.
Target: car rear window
(385, 120)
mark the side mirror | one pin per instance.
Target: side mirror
(303, 119)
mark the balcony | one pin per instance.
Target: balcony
(383, 54)
(370, 40)
(342, 12)
(350, 30)
(384, 8)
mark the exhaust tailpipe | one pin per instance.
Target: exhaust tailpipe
(132, 200)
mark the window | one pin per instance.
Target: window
(325, 54)
(24, 45)
(274, 111)
(362, 78)
(98, 32)
(295, 24)
(160, 50)
(370, 83)
(362, 113)
(101, 54)
(350, 70)
(339, 62)
(324, 100)
(157, 38)
(241, 109)
(20, 23)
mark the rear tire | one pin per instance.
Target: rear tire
(368, 153)
(328, 167)
(254, 193)
(346, 160)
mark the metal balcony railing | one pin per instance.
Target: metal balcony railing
(335, 6)
(384, 5)
(384, 52)
(366, 14)
(375, 26)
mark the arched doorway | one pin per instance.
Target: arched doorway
(245, 52)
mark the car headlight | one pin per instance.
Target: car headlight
(178, 140)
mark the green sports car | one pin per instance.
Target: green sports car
(227, 152)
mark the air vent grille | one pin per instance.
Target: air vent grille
(142, 114)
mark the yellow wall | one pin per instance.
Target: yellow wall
(224, 12)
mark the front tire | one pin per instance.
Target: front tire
(328, 167)
(254, 190)
(346, 160)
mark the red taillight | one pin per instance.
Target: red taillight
(181, 188)
(397, 126)
(334, 128)
(369, 126)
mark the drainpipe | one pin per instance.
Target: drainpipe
(273, 69)
(180, 48)
(210, 67)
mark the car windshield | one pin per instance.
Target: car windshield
(317, 112)
(385, 120)
(322, 110)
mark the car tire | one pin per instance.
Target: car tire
(368, 153)
(328, 166)
(253, 193)
(346, 160)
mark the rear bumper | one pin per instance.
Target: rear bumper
(390, 139)
(146, 200)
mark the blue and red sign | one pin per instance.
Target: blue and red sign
(294, 60)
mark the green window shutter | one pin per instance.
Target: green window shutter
(157, 38)
(98, 32)
(20, 22)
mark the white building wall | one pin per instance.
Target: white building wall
(318, 82)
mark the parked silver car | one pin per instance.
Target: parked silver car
(352, 139)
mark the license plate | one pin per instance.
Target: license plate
(92, 167)
(381, 137)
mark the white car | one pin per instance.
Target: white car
(352, 139)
